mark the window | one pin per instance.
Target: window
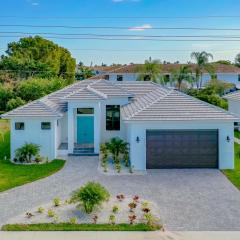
(239, 77)
(112, 117)
(45, 125)
(106, 77)
(19, 126)
(119, 77)
(85, 111)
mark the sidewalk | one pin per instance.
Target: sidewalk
(120, 235)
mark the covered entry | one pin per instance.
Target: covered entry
(182, 149)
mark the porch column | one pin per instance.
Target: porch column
(70, 129)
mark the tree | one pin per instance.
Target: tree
(83, 73)
(237, 60)
(150, 71)
(202, 64)
(36, 56)
(183, 73)
(6, 93)
(14, 103)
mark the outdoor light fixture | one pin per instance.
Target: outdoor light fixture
(228, 139)
(137, 139)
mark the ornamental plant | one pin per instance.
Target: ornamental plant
(132, 206)
(132, 218)
(90, 196)
(56, 202)
(27, 152)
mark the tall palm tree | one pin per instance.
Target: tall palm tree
(202, 61)
(150, 71)
(182, 74)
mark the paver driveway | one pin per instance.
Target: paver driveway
(187, 199)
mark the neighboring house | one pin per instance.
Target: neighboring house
(165, 128)
(224, 72)
(234, 104)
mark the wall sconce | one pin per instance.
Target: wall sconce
(137, 139)
(228, 139)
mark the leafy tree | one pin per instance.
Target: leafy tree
(14, 103)
(36, 56)
(83, 73)
(6, 93)
(202, 60)
(183, 73)
(150, 71)
(90, 196)
(219, 87)
(237, 60)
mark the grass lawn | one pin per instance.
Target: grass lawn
(12, 175)
(234, 175)
(237, 134)
(79, 227)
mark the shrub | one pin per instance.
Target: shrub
(151, 220)
(40, 210)
(95, 218)
(51, 213)
(27, 152)
(73, 220)
(120, 197)
(14, 103)
(115, 209)
(112, 219)
(90, 196)
(132, 218)
(56, 202)
(132, 206)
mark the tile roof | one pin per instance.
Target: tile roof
(233, 96)
(168, 68)
(148, 102)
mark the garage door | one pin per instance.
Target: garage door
(182, 149)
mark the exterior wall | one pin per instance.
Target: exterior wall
(138, 150)
(34, 134)
(229, 77)
(107, 135)
(72, 106)
(63, 124)
(234, 106)
(101, 135)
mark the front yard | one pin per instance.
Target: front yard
(234, 175)
(12, 175)
(237, 134)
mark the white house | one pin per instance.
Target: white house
(165, 128)
(228, 73)
(234, 104)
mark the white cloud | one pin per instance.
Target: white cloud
(140, 28)
(33, 3)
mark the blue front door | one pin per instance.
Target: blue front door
(85, 129)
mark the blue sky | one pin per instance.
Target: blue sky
(39, 12)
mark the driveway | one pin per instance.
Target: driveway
(187, 199)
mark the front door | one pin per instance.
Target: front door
(85, 129)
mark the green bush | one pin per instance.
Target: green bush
(14, 103)
(27, 152)
(90, 196)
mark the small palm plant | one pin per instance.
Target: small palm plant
(115, 147)
(27, 152)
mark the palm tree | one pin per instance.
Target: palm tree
(150, 71)
(182, 74)
(202, 60)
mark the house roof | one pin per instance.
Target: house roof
(147, 102)
(168, 68)
(233, 96)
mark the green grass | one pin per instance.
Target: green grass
(237, 134)
(78, 227)
(234, 175)
(13, 175)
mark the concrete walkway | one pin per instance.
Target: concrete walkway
(187, 199)
(120, 235)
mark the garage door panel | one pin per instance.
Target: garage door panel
(182, 149)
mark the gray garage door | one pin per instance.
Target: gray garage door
(182, 149)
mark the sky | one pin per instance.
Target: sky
(146, 14)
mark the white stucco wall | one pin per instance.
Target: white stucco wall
(229, 77)
(138, 150)
(34, 134)
(234, 106)
(106, 135)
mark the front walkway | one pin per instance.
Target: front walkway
(187, 199)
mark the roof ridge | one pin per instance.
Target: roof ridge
(93, 90)
(148, 105)
(47, 106)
